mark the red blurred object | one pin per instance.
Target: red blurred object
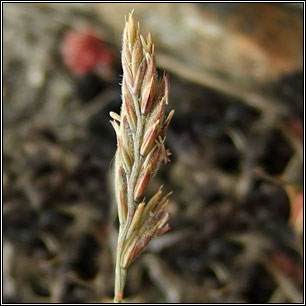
(287, 266)
(83, 52)
(297, 207)
(297, 128)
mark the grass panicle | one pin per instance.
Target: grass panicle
(141, 132)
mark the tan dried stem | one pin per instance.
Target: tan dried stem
(141, 131)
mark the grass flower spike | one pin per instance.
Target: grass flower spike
(141, 132)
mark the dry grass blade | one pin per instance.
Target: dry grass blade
(141, 132)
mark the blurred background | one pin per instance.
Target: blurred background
(236, 171)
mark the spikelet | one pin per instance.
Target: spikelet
(141, 132)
